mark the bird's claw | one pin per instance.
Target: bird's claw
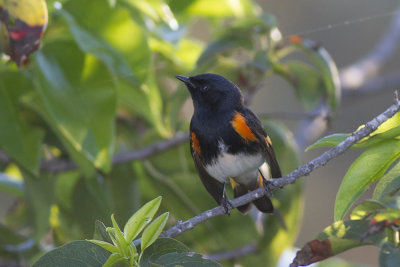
(267, 187)
(227, 205)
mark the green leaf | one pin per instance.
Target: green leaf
(11, 185)
(151, 233)
(77, 253)
(339, 237)
(366, 208)
(366, 169)
(39, 197)
(223, 8)
(170, 252)
(125, 194)
(389, 184)
(101, 50)
(140, 219)
(107, 246)
(113, 259)
(87, 130)
(100, 232)
(13, 245)
(185, 259)
(237, 35)
(17, 139)
(325, 66)
(119, 235)
(329, 141)
(374, 138)
(88, 205)
(389, 255)
(307, 83)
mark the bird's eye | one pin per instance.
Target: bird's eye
(204, 88)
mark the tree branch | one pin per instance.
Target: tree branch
(303, 170)
(57, 165)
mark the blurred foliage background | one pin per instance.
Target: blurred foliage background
(101, 88)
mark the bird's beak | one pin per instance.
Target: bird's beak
(185, 80)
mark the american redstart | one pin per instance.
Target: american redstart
(227, 141)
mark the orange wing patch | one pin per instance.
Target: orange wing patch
(239, 124)
(268, 141)
(260, 180)
(234, 184)
(195, 143)
(295, 39)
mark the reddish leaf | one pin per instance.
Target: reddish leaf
(313, 251)
(23, 31)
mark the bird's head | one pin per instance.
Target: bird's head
(212, 92)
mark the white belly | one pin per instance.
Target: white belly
(239, 165)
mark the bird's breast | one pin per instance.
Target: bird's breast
(227, 165)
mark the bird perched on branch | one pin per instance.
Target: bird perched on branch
(227, 141)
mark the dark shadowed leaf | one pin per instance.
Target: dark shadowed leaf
(100, 232)
(366, 169)
(325, 66)
(19, 140)
(305, 80)
(170, 253)
(39, 198)
(160, 247)
(11, 185)
(77, 253)
(389, 184)
(389, 255)
(87, 130)
(14, 245)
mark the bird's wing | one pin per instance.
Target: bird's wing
(213, 186)
(262, 137)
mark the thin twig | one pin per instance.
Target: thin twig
(303, 170)
(60, 165)
(57, 165)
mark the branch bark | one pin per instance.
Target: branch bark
(57, 165)
(291, 178)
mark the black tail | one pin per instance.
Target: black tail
(240, 190)
(263, 204)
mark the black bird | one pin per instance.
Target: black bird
(227, 141)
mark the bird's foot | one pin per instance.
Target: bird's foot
(267, 187)
(226, 204)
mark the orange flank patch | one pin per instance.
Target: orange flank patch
(295, 39)
(240, 126)
(195, 143)
(260, 180)
(268, 141)
(234, 184)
